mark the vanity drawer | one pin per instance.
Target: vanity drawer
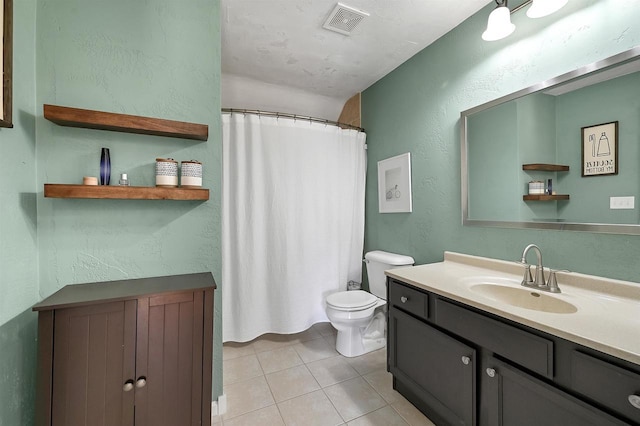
(606, 384)
(408, 299)
(526, 349)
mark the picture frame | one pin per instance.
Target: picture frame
(394, 184)
(600, 149)
(6, 63)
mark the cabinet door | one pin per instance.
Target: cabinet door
(513, 398)
(169, 360)
(437, 368)
(93, 357)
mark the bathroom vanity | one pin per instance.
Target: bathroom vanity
(468, 345)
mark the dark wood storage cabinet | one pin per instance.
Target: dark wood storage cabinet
(131, 352)
(463, 366)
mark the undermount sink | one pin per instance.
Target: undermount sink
(524, 298)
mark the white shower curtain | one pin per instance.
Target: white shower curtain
(292, 221)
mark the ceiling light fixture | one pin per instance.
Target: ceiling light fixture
(499, 24)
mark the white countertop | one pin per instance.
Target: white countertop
(608, 311)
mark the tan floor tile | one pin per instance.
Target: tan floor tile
(291, 383)
(385, 416)
(304, 336)
(270, 342)
(314, 350)
(279, 359)
(330, 339)
(382, 382)
(354, 398)
(238, 369)
(232, 350)
(332, 370)
(411, 414)
(369, 362)
(312, 409)
(324, 328)
(247, 396)
(269, 416)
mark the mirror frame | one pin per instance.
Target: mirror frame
(627, 56)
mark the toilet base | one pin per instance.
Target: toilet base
(355, 341)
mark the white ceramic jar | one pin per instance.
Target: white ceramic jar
(191, 174)
(166, 172)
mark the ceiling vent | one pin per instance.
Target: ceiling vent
(344, 19)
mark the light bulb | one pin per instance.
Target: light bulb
(499, 24)
(540, 8)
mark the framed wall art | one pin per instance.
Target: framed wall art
(600, 149)
(6, 62)
(394, 184)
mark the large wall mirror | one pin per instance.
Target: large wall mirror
(554, 130)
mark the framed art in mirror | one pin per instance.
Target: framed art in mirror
(6, 62)
(600, 149)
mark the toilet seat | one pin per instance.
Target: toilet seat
(351, 301)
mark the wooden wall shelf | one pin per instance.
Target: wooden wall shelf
(124, 192)
(542, 197)
(76, 117)
(546, 167)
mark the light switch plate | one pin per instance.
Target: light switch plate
(622, 203)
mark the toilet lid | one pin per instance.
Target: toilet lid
(352, 300)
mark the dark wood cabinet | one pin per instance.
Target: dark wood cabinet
(132, 352)
(515, 398)
(436, 368)
(510, 374)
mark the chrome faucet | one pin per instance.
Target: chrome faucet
(539, 282)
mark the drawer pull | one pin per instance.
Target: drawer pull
(128, 385)
(141, 382)
(491, 372)
(466, 360)
(635, 401)
(404, 299)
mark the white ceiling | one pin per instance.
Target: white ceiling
(282, 42)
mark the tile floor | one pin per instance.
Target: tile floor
(300, 379)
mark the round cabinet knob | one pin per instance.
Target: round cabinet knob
(466, 360)
(128, 385)
(404, 299)
(141, 382)
(491, 372)
(635, 401)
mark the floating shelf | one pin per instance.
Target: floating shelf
(124, 192)
(76, 117)
(546, 167)
(543, 197)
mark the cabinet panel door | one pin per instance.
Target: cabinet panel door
(169, 358)
(513, 398)
(432, 363)
(93, 358)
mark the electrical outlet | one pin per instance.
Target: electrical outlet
(622, 203)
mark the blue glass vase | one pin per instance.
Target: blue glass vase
(105, 167)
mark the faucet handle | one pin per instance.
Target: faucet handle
(527, 279)
(552, 284)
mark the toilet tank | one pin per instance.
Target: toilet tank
(379, 261)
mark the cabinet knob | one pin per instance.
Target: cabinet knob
(491, 372)
(466, 360)
(141, 382)
(404, 299)
(128, 385)
(635, 401)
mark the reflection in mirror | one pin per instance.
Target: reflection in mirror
(536, 135)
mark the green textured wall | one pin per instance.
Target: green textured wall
(418, 107)
(157, 58)
(18, 231)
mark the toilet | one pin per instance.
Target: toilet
(359, 316)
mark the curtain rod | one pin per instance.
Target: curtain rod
(294, 116)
